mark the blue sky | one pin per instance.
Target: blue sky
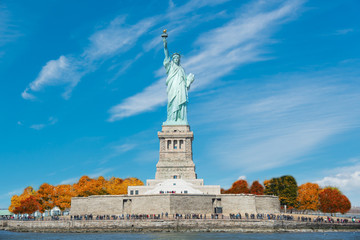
(276, 91)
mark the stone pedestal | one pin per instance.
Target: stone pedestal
(176, 159)
(175, 171)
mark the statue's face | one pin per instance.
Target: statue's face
(176, 59)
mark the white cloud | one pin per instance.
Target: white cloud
(37, 126)
(105, 43)
(242, 177)
(62, 71)
(271, 125)
(51, 121)
(99, 172)
(146, 100)
(70, 180)
(221, 50)
(124, 147)
(8, 31)
(344, 31)
(347, 179)
(26, 95)
(11, 193)
(117, 37)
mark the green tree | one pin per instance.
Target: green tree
(285, 188)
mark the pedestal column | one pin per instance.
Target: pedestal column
(175, 160)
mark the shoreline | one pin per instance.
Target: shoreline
(175, 225)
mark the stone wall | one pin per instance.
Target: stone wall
(238, 203)
(267, 204)
(187, 204)
(183, 225)
(174, 203)
(150, 204)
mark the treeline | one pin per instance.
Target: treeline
(49, 196)
(308, 196)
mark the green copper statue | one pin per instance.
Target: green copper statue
(178, 85)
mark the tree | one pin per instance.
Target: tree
(115, 186)
(256, 188)
(17, 201)
(130, 182)
(15, 204)
(267, 187)
(344, 204)
(63, 195)
(29, 205)
(308, 196)
(285, 188)
(333, 201)
(48, 196)
(87, 186)
(240, 186)
(45, 196)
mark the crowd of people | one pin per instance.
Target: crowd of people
(239, 216)
(234, 216)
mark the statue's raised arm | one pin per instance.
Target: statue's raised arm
(178, 85)
(166, 50)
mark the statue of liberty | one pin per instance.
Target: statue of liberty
(178, 85)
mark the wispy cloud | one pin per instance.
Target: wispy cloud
(146, 100)
(8, 30)
(271, 126)
(51, 121)
(70, 180)
(221, 50)
(344, 31)
(97, 173)
(56, 72)
(68, 70)
(11, 193)
(123, 146)
(116, 38)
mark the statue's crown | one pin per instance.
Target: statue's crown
(176, 54)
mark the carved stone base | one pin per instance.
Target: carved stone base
(175, 158)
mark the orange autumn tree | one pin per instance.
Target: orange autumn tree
(240, 186)
(130, 182)
(256, 188)
(20, 204)
(308, 196)
(48, 196)
(87, 186)
(15, 204)
(344, 204)
(63, 195)
(29, 205)
(45, 196)
(115, 186)
(333, 201)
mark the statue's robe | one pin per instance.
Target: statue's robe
(177, 91)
